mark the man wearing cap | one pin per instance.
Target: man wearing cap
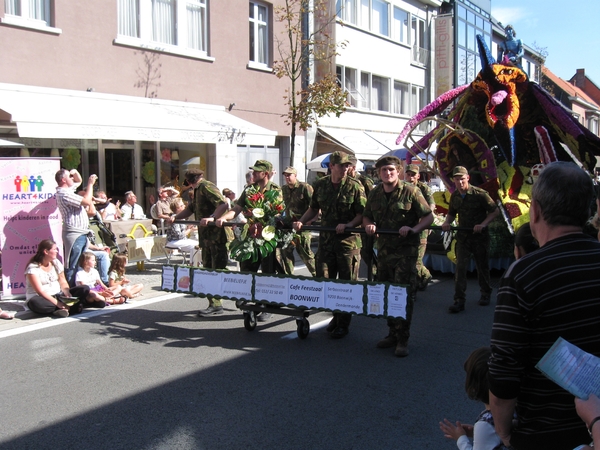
(261, 180)
(297, 196)
(476, 210)
(412, 176)
(208, 203)
(341, 200)
(396, 205)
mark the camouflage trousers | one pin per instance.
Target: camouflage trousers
(479, 247)
(401, 269)
(302, 246)
(214, 256)
(342, 265)
(422, 271)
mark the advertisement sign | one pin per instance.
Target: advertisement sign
(28, 214)
(444, 53)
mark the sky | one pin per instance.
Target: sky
(570, 32)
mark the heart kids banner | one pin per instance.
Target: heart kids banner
(28, 214)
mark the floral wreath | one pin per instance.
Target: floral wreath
(262, 233)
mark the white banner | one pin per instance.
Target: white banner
(28, 214)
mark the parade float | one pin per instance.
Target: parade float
(503, 128)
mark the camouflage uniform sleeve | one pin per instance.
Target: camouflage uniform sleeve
(314, 201)
(427, 193)
(213, 194)
(360, 199)
(368, 211)
(420, 204)
(490, 205)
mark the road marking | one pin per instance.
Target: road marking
(315, 327)
(86, 315)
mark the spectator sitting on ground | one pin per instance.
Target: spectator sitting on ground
(116, 277)
(131, 210)
(99, 294)
(45, 281)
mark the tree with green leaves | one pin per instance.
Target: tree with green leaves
(308, 46)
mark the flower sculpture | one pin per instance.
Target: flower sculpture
(262, 233)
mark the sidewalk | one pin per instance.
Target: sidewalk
(150, 277)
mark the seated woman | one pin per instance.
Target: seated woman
(116, 277)
(99, 293)
(45, 282)
(177, 235)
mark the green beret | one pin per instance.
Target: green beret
(388, 161)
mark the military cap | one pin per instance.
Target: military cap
(262, 165)
(290, 169)
(388, 161)
(353, 159)
(339, 158)
(412, 168)
(459, 171)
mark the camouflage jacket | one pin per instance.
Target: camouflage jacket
(472, 209)
(404, 206)
(428, 194)
(297, 199)
(270, 186)
(337, 206)
(366, 182)
(207, 197)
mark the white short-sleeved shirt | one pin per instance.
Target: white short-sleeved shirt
(48, 280)
(87, 278)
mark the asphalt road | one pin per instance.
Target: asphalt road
(152, 375)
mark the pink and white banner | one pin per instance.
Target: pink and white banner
(28, 214)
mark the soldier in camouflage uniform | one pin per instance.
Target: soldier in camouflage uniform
(396, 205)
(297, 196)
(261, 179)
(341, 200)
(475, 210)
(411, 176)
(208, 203)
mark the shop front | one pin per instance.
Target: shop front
(132, 143)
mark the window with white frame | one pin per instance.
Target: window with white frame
(259, 33)
(347, 79)
(346, 10)
(400, 26)
(380, 93)
(29, 13)
(374, 15)
(181, 24)
(419, 44)
(593, 125)
(401, 98)
(380, 19)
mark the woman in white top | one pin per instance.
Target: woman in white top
(45, 281)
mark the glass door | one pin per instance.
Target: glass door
(119, 169)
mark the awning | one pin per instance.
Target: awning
(361, 143)
(59, 113)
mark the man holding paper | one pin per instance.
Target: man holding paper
(550, 293)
